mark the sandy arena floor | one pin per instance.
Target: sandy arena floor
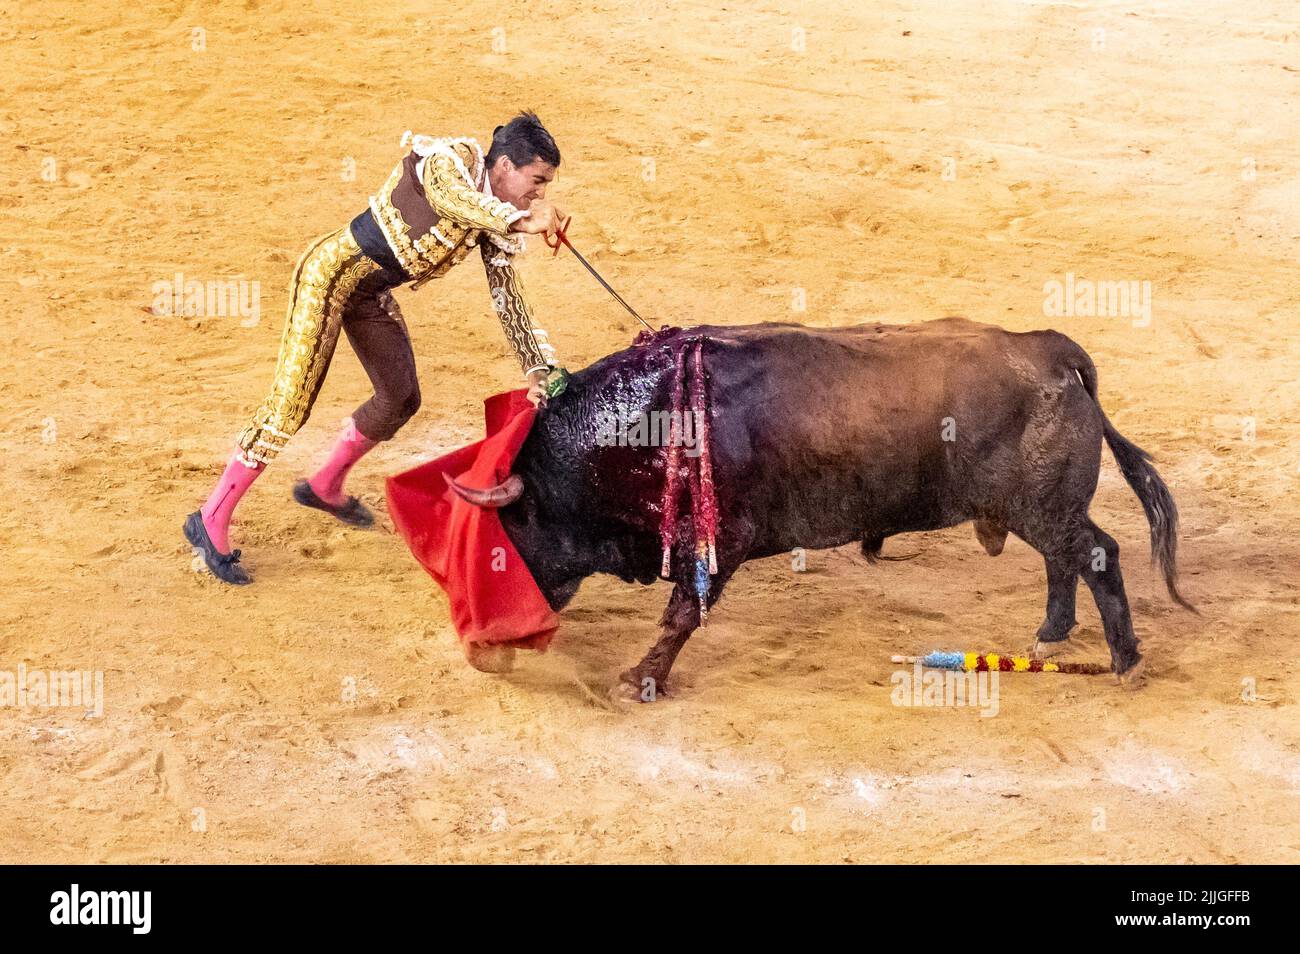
(915, 159)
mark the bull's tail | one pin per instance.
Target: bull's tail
(1135, 464)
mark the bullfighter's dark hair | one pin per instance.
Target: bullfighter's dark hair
(523, 139)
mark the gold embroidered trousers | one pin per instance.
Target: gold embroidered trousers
(336, 287)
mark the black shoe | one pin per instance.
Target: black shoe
(224, 566)
(354, 513)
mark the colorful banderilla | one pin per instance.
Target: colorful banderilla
(995, 662)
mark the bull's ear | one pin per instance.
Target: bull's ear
(502, 495)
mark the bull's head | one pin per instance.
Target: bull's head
(559, 522)
(552, 545)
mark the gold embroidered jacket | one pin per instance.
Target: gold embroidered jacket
(435, 207)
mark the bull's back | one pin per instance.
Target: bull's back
(822, 435)
(833, 434)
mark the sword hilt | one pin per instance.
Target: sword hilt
(561, 237)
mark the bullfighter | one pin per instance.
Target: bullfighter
(443, 199)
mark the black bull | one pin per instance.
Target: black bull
(827, 436)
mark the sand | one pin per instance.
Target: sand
(912, 160)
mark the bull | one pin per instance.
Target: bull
(822, 437)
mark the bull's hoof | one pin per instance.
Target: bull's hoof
(490, 657)
(1055, 631)
(624, 693)
(1134, 677)
(633, 688)
(1047, 648)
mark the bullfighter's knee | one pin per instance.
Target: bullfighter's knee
(411, 405)
(402, 408)
(387, 413)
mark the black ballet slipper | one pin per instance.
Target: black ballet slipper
(224, 566)
(354, 513)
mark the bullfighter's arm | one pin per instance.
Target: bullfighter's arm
(507, 289)
(451, 197)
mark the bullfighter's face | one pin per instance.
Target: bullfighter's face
(520, 185)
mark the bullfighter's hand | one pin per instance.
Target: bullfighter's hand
(542, 216)
(537, 388)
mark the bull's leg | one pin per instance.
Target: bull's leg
(648, 678)
(1101, 572)
(1062, 582)
(1064, 544)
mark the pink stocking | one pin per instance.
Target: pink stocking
(225, 495)
(351, 446)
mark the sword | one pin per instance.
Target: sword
(562, 238)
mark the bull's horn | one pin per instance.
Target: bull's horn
(499, 496)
